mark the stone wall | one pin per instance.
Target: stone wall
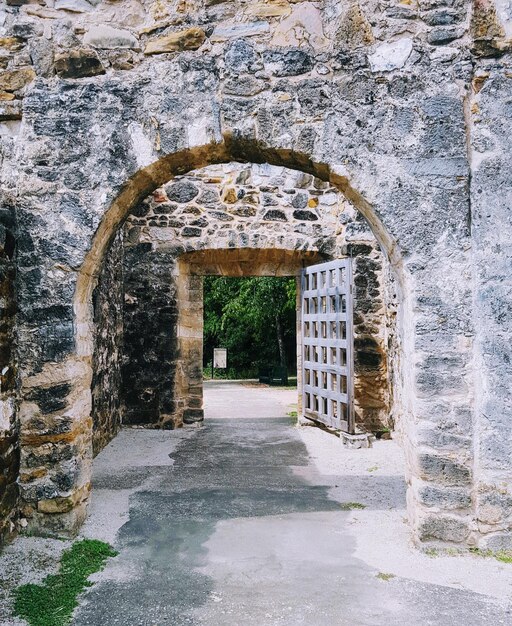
(150, 331)
(491, 227)
(102, 103)
(108, 301)
(9, 426)
(238, 207)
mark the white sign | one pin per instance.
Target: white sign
(220, 358)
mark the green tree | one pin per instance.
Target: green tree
(254, 318)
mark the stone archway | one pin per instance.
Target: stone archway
(266, 216)
(439, 469)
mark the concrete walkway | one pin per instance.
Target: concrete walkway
(247, 521)
(242, 399)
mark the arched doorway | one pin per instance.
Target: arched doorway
(428, 473)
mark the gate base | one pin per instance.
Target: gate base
(361, 440)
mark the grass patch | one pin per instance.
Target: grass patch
(504, 556)
(53, 601)
(292, 414)
(384, 576)
(374, 468)
(350, 506)
(432, 552)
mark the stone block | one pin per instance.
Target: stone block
(494, 505)
(496, 541)
(443, 528)
(303, 26)
(76, 6)
(440, 36)
(64, 504)
(189, 39)
(270, 8)
(14, 44)
(14, 80)
(223, 32)
(57, 524)
(42, 55)
(181, 191)
(444, 497)
(240, 56)
(353, 28)
(391, 56)
(443, 469)
(79, 63)
(292, 62)
(108, 38)
(10, 111)
(49, 399)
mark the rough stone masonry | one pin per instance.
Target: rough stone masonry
(402, 106)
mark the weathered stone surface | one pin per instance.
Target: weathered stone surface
(11, 43)
(443, 469)
(391, 56)
(443, 528)
(273, 8)
(452, 498)
(189, 39)
(78, 64)
(353, 28)
(106, 37)
(10, 110)
(288, 62)
(42, 55)
(108, 316)
(14, 80)
(76, 6)
(9, 421)
(443, 35)
(303, 27)
(181, 191)
(238, 31)
(64, 504)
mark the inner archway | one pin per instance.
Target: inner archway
(230, 220)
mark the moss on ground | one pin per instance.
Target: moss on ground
(350, 506)
(505, 556)
(53, 601)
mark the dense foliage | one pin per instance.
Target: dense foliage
(254, 318)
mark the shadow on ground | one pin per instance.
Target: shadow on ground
(232, 534)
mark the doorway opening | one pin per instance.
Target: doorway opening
(250, 344)
(255, 320)
(233, 222)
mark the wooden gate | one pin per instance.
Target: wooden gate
(327, 344)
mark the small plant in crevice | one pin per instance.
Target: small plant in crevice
(52, 602)
(384, 576)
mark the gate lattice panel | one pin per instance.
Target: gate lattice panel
(327, 344)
